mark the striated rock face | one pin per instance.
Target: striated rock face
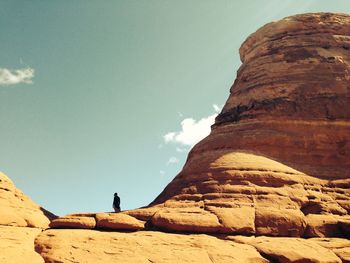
(292, 91)
(279, 152)
(291, 99)
(240, 193)
(274, 171)
(21, 220)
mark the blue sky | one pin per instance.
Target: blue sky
(109, 96)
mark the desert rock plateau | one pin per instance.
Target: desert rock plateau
(271, 183)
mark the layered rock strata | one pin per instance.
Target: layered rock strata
(292, 91)
(279, 152)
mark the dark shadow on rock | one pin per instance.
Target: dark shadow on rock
(48, 214)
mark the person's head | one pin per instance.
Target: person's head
(115, 194)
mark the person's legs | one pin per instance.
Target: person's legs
(116, 209)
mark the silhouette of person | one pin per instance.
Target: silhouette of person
(116, 203)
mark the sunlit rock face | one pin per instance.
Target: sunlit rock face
(280, 148)
(21, 220)
(291, 98)
(17, 209)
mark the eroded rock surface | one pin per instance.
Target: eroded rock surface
(281, 145)
(291, 99)
(118, 221)
(341, 247)
(17, 209)
(93, 246)
(148, 246)
(84, 222)
(17, 245)
(21, 220)
(287, 250)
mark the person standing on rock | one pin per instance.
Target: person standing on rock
(116, 203)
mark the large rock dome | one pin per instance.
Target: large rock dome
(281, 144)
(291, 98)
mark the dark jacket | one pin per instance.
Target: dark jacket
(116, 201)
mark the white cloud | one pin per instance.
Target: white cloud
(216, 108)
(172, 160)
(169, 137)
(11, 77)
(161, 172)
(181, 150)
(192, 131)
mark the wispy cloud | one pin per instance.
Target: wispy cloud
(181, 150)
(192, 131)
(172, 160)
(12, 77)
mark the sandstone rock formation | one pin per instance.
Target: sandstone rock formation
(103, 221)
(279, 152)
(17, 244)
(281, 249)
(21, 220)
(271, 183)
(144, 246)
(293, 87)
(17, 209)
